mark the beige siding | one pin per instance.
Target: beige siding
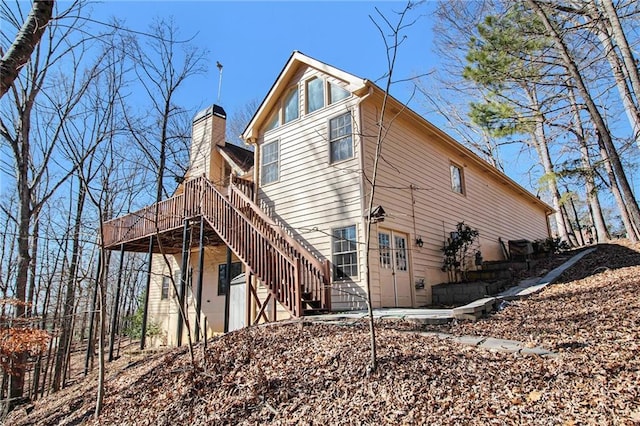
(165, 312)
(207, 132)
(312, 196)
(412, 159)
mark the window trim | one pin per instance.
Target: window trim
(455, 166)
(334, 253)
(331, 141)
(274, 119)
(330, 101)
(262, 164)
(165, 290)
(323, 86)
(385, 257)
(283, 116)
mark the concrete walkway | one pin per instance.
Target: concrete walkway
(473, 310)
(534, 285)
(492, 344)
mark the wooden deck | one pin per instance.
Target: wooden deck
(295, 277)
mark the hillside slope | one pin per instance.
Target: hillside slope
(312, 373)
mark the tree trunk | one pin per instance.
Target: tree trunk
(603, 132)
(617, 67)
(542, 147)
(70, 297)
(631, 67)
(25, 43)
(597, 218)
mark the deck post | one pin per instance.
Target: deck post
(227, 291)
(116, 304)
(199, 284)
(145, 314)
(248, 290)
(183, 280)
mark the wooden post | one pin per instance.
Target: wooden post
(116, 303)
(183, 280)
(227, 291)
(248, 305)
(145, 314)
(200, 277)
(298, 288)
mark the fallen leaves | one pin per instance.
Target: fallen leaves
(316, 373)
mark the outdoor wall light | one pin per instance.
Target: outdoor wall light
(419, 241)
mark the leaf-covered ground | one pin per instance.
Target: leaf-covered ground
(311, 373)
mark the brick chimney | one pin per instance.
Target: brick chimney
(209, 127)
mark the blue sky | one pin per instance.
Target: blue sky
(253, 40)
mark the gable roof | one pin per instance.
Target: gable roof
(297, 59)
(362, 87)
(239, 158)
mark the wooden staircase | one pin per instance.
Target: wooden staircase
(292, 274)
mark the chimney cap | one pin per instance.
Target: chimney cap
(214, 109)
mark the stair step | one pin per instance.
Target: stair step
(312, 304)
(314, 311)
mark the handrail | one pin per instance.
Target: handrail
(286, 267)
(282, 233)
(267, 261)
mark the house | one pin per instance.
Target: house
(293, 213)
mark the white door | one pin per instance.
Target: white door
(237, 303)
(395, 277)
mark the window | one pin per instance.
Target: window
(336, 93)
(315, 94)
(273, 122)
(340, 138)
(345, 253)
(236, 269)
(457, 180)
(269, 168)
(384, 245)
(166, 283)
(291, 106)
(401, 253)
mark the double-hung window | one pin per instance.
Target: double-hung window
(340, 138)
(345, 253)
(270, 168)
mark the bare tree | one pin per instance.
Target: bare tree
(42, 94)
(25, 43)
(391, 34)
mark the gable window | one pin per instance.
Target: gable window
(345, 253)
(315, 94)
(236, 269)
(457, 179)
(291, 106)
(336, 93)
(270, 170)
(340, 138)
(273, 122)
(166, 282)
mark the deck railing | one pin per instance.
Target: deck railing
(289, 270)
(314, 273)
